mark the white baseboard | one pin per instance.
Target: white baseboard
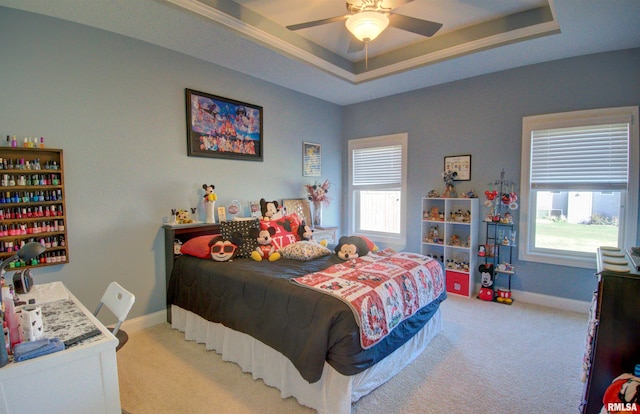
(144, 321)
(556, 302)
(573, 305)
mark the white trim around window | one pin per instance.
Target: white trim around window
(569, 162)
(378, 165)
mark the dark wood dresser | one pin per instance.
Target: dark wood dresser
(613, 345)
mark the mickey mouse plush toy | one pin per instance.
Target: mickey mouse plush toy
(351, 247)
(486, 277)
(270, 210)
(209, 195)
(305, 232)
(266, 249)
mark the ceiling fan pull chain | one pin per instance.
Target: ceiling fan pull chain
(366, 55)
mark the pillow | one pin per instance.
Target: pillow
(227, 228)
(286, 230)
(304, 250)
(198, 246)
(371, 245)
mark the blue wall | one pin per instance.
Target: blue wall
(117, 108)
(482, 116)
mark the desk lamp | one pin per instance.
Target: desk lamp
(26, 253)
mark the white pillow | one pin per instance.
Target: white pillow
(304, 250)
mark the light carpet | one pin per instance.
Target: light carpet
(490, 358)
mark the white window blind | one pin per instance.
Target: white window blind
(377, 165)
(593, 157)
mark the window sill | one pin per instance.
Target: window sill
(560, 260)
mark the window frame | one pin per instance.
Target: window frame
(390, 239)
(628, 220)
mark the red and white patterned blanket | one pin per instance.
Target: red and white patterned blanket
(382, 289)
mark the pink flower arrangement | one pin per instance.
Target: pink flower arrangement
(318, 193)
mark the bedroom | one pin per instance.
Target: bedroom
(116, 106)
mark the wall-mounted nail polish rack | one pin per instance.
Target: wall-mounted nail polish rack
(32, 204)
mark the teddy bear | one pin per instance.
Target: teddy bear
(351, 247)
(183, 217)
(486, 278)
(270, 210)
(266, 249)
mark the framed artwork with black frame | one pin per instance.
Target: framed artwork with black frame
(311, 159)
(461, 164)
(220, 127)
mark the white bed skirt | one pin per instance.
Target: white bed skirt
(332, 394)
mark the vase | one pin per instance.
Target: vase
(317, 213)
(209, 208)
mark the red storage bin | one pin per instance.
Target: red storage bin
(458, 283)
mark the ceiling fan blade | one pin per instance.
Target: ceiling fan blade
(394, 4)
(317, 22)
(355, 45)
(411, 24)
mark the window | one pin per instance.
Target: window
(377, 188)
(579, 184)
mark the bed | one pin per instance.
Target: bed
(304, 342)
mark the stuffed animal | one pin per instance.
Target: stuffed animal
(223, 250)
(270, 210)
(266, 249)
(486, 279)
(305, 232)
(351, 247)
(183, 217)
(209, 195)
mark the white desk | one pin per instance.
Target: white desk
(81, 379)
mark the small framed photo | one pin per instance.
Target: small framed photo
(254, 209)
(311, 159)
(461, 164)
(222, 214)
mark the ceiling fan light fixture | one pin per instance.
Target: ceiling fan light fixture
(367, 25)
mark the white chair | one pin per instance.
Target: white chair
(119, 301)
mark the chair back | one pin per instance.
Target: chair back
(119, 301)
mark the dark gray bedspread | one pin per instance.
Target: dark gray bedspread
(306, 326)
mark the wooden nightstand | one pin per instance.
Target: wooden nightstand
(328, 233)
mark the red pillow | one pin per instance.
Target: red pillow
(198, 246)
(370, 245)
(286, 230)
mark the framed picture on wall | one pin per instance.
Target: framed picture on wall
(219, 127)
(311, 159)
(460, 164)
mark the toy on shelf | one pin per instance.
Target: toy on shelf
(506, 268)
(498, 199)
(183, 217)
(450, 190)
(434, 236)
(460, 216)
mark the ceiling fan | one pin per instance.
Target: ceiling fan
(370, 18)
